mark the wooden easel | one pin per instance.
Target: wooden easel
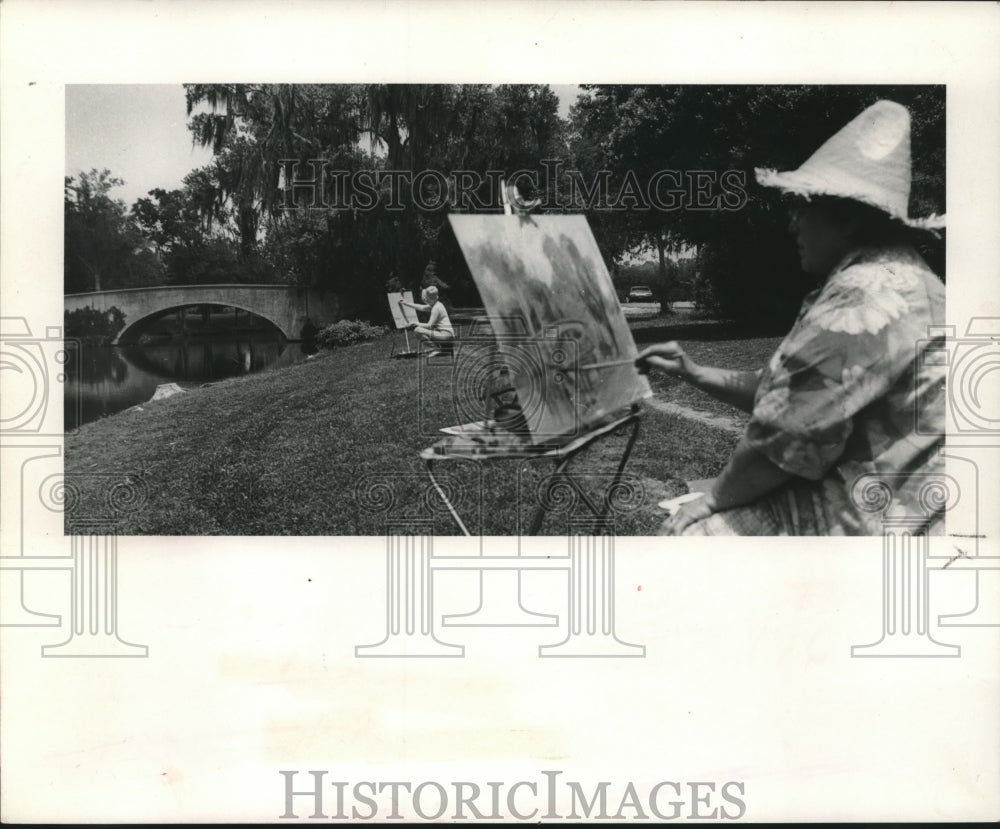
(485, 447)
(500, 593)
(409, 351)
(400, 321)
(559, 424)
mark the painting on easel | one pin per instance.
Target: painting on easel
(402, 315)
(543, 280)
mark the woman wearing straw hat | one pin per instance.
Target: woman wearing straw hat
(844, 392)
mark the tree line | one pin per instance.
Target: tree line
(657, 170)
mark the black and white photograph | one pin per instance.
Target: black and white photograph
(745, 278)
(439, 412)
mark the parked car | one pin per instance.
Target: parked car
(639, 293)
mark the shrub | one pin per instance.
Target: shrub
(93, 327)
(349, 332)
(753, 279)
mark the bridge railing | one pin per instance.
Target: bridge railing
(189, 287)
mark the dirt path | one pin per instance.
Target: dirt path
(727, 424)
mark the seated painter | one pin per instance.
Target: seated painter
(843, 394)
(438, 328)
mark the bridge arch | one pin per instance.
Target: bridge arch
(287, 307)
(133, 329)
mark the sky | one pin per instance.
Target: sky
(139, 132)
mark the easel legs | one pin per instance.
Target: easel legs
(396, 355)
(539, 515)
(499, 591)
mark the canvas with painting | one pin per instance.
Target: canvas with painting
(555, 312)
(402, 315)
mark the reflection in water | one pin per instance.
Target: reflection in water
(107, 380)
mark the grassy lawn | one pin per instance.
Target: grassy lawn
(282, 452)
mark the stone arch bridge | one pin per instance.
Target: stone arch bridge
(287, 307)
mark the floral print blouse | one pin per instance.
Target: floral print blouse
(852, 390)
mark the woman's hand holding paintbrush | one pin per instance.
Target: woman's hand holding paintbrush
(735, 387)
(669, 357)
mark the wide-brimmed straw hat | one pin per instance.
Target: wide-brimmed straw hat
(867, 161)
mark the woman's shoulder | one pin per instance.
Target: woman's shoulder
(899, 266)
(876, 288)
